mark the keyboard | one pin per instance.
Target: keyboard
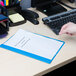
(55, 22)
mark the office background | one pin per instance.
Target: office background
(12, 58)
(25, 4)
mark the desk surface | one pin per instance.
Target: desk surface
(14, 64)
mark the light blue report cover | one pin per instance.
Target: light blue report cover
(34, 45)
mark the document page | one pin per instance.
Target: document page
(35, 44)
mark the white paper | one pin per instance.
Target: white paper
(35, 44)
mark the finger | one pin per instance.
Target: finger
(64, 27)
(63, 32)
(73, 34)
(70, 34)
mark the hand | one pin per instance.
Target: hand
(69, 28)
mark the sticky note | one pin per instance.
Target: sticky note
(16, 18)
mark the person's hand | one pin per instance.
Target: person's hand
(69, 28)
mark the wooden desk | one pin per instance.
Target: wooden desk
(14, 64)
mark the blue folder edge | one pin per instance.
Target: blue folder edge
(46, 60)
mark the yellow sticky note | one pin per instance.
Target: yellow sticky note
(16, 18)
(19, 0)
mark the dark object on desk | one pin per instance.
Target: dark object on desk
(72, 1)
(68, 69)
(4, 16)
(35, 3)
(30, 15)
(55, 22)
(51, 9)
(3, 19)
(3, 31)
(64, 4)
(48, 7)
